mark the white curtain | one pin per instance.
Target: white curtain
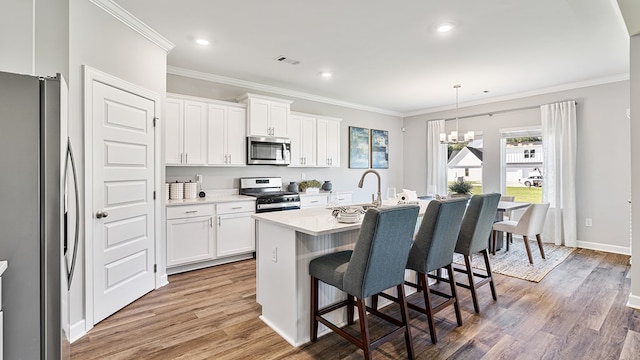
(436, 159)
(559, 171)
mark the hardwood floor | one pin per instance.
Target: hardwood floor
(576, 312)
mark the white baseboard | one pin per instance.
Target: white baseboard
(164, 280)
(634, 301)
(77, 331)
(624, 250)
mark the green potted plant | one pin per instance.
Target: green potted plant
(461, 188)
(309, 186)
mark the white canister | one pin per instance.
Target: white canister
(190, 190)
(166, 191)
(176, 191)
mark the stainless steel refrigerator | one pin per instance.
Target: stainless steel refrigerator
(38, 216)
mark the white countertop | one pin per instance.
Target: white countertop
(3, 266)
(315, 221)
(210, 200)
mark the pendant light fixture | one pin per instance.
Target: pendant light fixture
(452, 138)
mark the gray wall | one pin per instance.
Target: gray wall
(603, 161)
(635, 164)
(343, 178)
(103, 43)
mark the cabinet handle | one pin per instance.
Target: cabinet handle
(229, 158)
(210, 222)
(219, 221)
(181, 158)
(314, 201)
(236, 208)
(191, 211)
(186, 158)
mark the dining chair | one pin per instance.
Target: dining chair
(432, 250)
(530, 224)
(474, 238)
(376, 263)
(507, 213)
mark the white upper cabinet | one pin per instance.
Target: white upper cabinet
(266, 116)
(302, 132)
(173, 129)
(227, 133)
(328, 141)
(185, 132)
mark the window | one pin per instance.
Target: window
(465, 162)
(522, 164)
(528, 154)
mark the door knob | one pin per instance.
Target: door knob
(101, 214)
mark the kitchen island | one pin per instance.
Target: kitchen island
(286, 241)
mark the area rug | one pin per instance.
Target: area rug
(515, 263)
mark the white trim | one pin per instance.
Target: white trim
(542, 91)
(77, 331)
(615, 249)
(92, 75)
(634, 301)
(207, 100)
(275, 90)
(119, 13)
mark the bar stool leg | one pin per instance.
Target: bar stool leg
(313, 331)
(472, 284)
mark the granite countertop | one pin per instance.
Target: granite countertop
(210, 200)
(3, 266)
(315, 221)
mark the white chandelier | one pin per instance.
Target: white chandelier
(452, 138)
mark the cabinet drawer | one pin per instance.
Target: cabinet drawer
(307, 201)
(342, 199)
(186, 211)
(236, 207)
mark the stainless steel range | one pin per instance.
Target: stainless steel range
(269, 194)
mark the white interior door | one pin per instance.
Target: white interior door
(123, 184)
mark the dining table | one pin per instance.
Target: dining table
(504, 206)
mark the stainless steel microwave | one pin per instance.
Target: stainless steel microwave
(268, 150)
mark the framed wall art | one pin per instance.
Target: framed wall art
(358, 148)
(379, 149)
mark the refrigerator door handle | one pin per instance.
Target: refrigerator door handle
(70, 159)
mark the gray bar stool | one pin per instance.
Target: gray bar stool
(377, 263)
(474, 238)
(433, 250)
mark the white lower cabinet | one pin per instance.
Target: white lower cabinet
(190, 234)
(314, 200)
(340, 198)
(235, 228)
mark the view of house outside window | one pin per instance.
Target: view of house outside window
(523, 168)
(465, 163)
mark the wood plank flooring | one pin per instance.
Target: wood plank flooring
(576, 312)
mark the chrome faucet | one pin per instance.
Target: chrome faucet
(377, 202)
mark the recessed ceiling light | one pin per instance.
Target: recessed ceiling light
(326, 74)
(202, 41)
(442, 28)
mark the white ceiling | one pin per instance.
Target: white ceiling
(386, 54)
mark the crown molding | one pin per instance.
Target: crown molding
(542, 91)
(274, 90)
(134, 23)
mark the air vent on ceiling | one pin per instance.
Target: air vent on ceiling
(284, 59)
